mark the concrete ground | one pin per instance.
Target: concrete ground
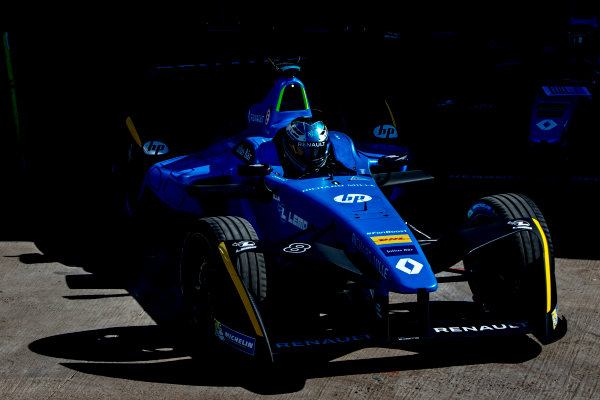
(107, 330)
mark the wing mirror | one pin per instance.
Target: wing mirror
(393, 161)
(254, 169)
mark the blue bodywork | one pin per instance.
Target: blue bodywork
(351, 237)
(553, 112)
(347, 210)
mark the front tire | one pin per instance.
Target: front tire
(201, 268)
(506, 277)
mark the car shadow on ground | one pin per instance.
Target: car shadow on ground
(162, 353)
(156, 354)
(107, 255)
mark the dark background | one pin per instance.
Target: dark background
(78, 76)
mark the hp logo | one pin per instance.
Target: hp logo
(351, 198)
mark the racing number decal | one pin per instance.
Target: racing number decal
(297, 248)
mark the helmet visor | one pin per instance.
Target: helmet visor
(313, 132)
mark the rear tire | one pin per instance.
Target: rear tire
(505, 277)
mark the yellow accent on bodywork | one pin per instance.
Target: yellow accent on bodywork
(391, 115)
(546, 266)
(239, 286)
(133, 131)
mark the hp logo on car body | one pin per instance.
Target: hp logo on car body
(385, 132)
(155, 148)
(351, 198)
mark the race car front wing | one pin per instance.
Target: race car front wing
(392, 324)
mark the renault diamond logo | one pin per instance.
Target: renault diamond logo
(409, 266)
(546, 124)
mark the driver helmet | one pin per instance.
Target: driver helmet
(306, 144)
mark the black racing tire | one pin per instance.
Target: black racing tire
(503, 276)
(201, 261)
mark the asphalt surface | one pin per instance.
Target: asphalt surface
(107, 328)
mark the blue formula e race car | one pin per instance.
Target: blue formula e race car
(292, 243)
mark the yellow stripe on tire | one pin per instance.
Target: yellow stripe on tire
(546, 266)
(239, 286)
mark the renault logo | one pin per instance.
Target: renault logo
(409, 266)
(546, 124)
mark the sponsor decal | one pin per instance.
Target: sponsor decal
(389, 232)
(546, 124)
(268, 116)
(281, 210)
(409, 266)
(588, 179)
(278, 177)
(338, 185)
(235, 339)
(479, 328)
(256, 118)
(323, 341)
(391, 239)
(245, 152)
(321, 187)
(297, 248)
(155, 148)
(370, 256)
(311, 144)
(554, 319)
(385, 132)
(291, 218)
(407, 338)
(566, 91)
(352, 198)
(393, 251)
(520, 224)
(297, 221)
(359, 178)
(244, 245)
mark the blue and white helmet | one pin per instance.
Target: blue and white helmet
(306, 144)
